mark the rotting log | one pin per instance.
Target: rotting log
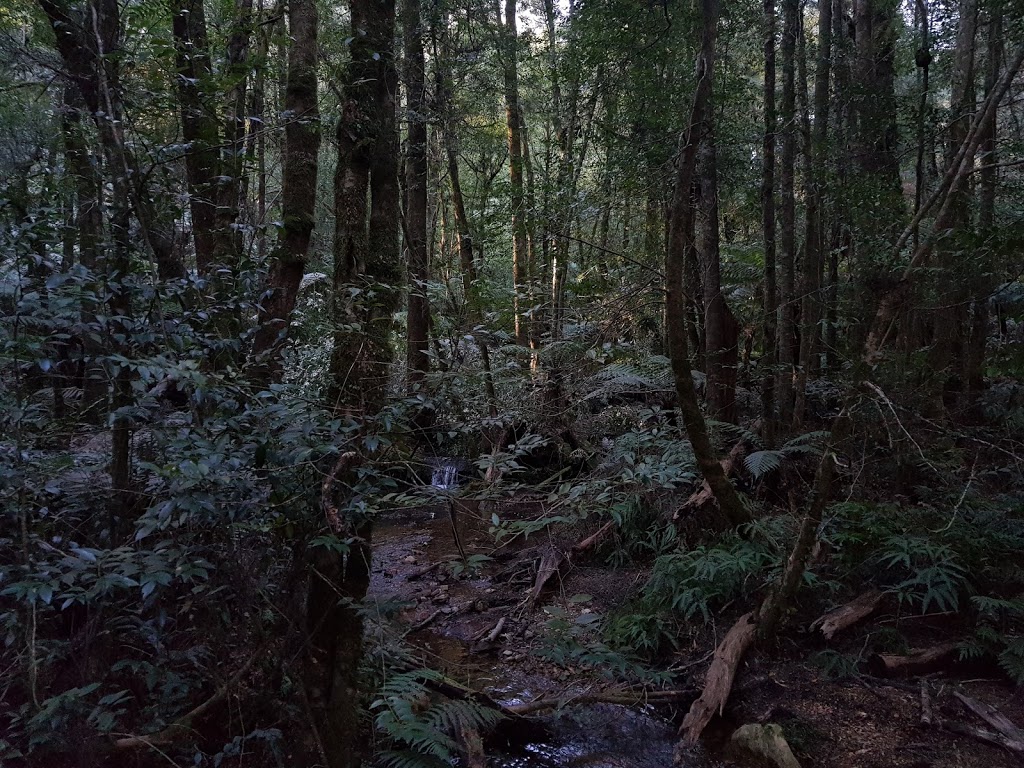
(721, 674)
(845, 616)
(919, 662)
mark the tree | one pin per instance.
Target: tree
(680, 242)
(299, 180)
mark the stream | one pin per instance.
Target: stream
(448, 634)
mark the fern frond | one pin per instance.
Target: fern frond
(761, 463)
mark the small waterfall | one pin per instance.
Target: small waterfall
(445, 477)
(449, 473)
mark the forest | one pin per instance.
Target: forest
(525, 384)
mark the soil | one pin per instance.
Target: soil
(450, 608)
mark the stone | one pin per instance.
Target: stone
(764, 742)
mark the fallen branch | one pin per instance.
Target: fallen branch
(920, 662)
(419, 573)
(1007, 736)
(847, 615)
(553, 560)
(993, 717)
(425, 622)
(718, 682)
(626, 699)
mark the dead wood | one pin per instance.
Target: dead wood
(471, 745)
(1007, 735)
(993, 717)
(846, 616)
(425, 622)
(704, 495)
(419, 573)
(553, 560)
(919, 662)
(628, 699)
(719, 679)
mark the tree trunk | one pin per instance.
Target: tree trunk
(769, 297)
(365, 296)
(787, 263)
(949, 326)
(510, 67)
(417, 359)
(876, 200)
(721, 331)
(815, 230)
(198, 126)
(680, 241)
(974, 359)
(298, 186)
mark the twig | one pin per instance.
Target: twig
(426, 622)
(493, 635)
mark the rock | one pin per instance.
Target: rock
(764, 742)
(409, 560)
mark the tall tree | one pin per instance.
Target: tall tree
(721, 331)
(366, 289)
(680, 242)
(788, 303)
(298, 180)
(415, 216)
(769, 296)
(814, 240)
(514, 124)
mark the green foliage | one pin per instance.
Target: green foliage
(574, 641)
(416, 728)
(934, 575)
(762, 463)
(695, 583)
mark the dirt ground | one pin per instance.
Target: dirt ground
(476, 625)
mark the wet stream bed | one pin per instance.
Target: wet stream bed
(473, 625)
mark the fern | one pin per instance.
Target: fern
(762, 463)
(420, 729)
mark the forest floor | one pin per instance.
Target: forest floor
(451, 615)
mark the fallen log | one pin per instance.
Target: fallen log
(721, 674)
(919, 662)
(845, 616)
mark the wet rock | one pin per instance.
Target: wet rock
(765, 743)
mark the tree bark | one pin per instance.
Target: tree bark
(365, 295)
(513, 121)
(680, 242)
(815, 231)
(417, 359)
(787, 262)
(298, 186)
(769, 297)
(721, 331)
